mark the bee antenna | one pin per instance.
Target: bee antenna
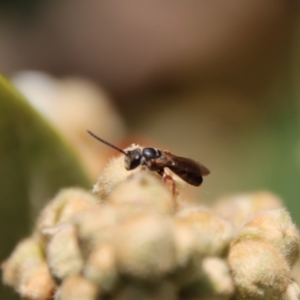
(106, 143)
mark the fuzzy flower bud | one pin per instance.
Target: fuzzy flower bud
(213, 281)
(76, 287)
(292, 292)
(27, 271)
(213, 233)
(217, 275)
(63, 207)
(95, 226)
(63, 253)
(186, 247)
(259, 270)
(101, 267)
(137, 243)
(112, 174)
(143, 191)
(145, 247)
(237, 208)
(276, 227)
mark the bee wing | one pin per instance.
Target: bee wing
(187, 169)
(203, 170)
(182, 162)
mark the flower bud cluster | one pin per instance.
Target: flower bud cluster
(130, 240)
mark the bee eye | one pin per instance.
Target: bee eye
(149, 153)
(132, 159)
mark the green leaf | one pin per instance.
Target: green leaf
(34, 164)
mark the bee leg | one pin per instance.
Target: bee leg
(165, 178)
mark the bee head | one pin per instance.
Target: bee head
(133, 159)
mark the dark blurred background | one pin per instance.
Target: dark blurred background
(217, 81)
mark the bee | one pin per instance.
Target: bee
(157, 160)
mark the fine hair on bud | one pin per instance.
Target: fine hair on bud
(259, 270)
(276, 227)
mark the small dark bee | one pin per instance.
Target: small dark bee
(157, 160)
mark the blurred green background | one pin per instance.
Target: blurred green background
(217, 81)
